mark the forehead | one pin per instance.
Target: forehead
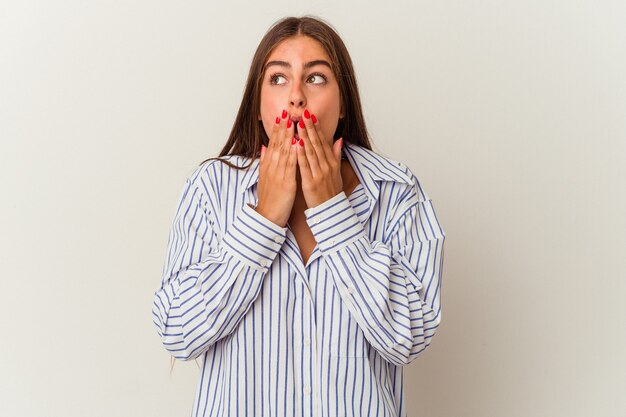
(298, 49)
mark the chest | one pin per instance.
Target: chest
(299, 226)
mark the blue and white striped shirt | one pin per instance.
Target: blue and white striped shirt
(280, 338)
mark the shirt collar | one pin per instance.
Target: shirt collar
(370, 168)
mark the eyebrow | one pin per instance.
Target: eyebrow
(305, 66)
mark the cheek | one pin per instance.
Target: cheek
(326, 127)
(329, 131)
(329, 120)
(270, 108)
(330, 106)
(267, 113)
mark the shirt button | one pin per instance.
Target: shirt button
(351, 289)
(307, 390)
(316, 220)
(307, 341)
(263, 262)
(277, 239)
(332, 243)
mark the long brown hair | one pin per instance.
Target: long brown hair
(247, 134)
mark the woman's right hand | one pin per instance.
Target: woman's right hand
(277, 173)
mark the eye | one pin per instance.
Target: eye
(275, 77)
(321, 78)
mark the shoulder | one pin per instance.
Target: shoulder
(218, 170)
(215, 178)
(393, 175)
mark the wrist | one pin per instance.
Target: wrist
(269, 216)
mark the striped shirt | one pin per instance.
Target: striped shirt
(280, 338)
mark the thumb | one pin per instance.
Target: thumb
(337, 148)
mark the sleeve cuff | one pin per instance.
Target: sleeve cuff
(334, 223)
(254, 239)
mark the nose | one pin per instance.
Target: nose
(297, 98)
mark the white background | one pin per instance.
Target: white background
(511, 113)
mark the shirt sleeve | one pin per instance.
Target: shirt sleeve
(210, 279)
(391, 287)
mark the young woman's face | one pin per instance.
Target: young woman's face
(298, 76)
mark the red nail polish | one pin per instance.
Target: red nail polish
(307, 114)
(293, 140)
(301, 142)
(289, 122)
(301, 124)
(284, 113)
(277, 120)
(314, 118)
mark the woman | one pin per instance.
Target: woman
(303, 268)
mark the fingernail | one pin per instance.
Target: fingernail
(314, 118)
(301, 124)
(307, 114)
(284, 113)
(289, 122)
(301, 142)
(293, 140)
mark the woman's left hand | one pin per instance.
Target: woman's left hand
(319, 162)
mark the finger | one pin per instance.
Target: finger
(290, 169)
(311, 131)
(272, 139)
(286, 139)
(303, 163)
(324, 151)
(337, 149)
(276, 142)
(290, 130)
(309, 150)
(278, 124)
